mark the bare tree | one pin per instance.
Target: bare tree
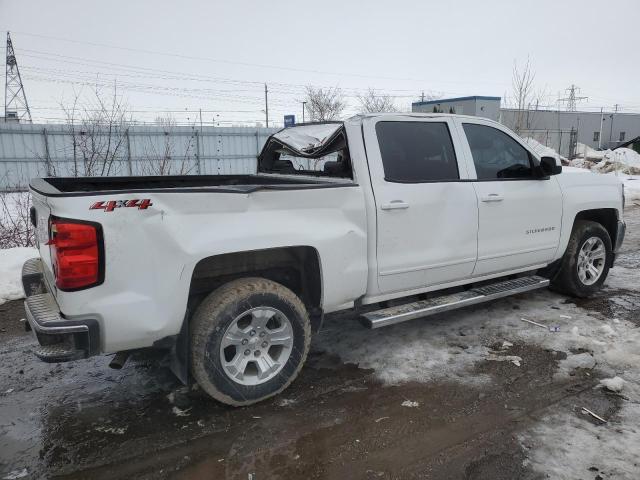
(98, 133)
(166, 158)
(15, 220)
(525, 98)
(324, 103)
(372, 102)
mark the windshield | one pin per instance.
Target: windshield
(314, 149)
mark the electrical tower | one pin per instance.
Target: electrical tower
(15, 100)
(572, 99)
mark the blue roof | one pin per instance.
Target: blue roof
(458, 99)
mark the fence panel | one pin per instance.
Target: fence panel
(30, 150)
(559, 140)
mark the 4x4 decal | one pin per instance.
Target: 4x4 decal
(111, 205)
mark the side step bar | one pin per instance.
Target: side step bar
(443, 303)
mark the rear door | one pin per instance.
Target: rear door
(426, 210)
(519, 212)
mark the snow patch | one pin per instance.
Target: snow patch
(11, 261)
(285, 402)
(615, 384)
(631, 187)
(111, 430)
(410, 404)
(178, 412)
(566, 445)
(517, 361)
(608, 331)
(573, 361)
(16, 474)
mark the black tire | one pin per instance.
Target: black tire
(216, 313)
(568, 281)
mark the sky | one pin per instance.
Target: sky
(168, 58)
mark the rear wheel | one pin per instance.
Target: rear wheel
(249, 341)
(586, 262)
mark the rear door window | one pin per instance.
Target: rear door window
(496, 155)
(417, 152)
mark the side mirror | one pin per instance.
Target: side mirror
(549, 166)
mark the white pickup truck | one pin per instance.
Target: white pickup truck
(407, 214)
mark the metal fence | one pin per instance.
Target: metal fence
(562, 141)
(29, 150)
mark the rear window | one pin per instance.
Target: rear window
(318, 149)
(416, 152)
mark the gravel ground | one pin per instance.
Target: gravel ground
(442, 398)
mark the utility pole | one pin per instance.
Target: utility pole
(422, 97)
(266, 105)
(15, 99)
(615, 110)
(303, 104)
(600, 134)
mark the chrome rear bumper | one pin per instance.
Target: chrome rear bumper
(60, 339)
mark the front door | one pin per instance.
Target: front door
(520, 214)
(426, 209)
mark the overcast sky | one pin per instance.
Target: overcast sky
(212, 55)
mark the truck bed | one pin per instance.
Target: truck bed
(83, 186)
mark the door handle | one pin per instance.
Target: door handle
(395, 205)
(493, 197)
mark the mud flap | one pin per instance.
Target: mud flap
(179, 354)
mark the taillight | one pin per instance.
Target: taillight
(76, 253)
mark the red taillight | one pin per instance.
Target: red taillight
(75, 253)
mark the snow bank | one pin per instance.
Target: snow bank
(11, 261)
(625, 156)
(588, 153)
(622, 160)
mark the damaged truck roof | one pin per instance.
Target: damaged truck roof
(310, 141)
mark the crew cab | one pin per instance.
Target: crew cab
(404, 214)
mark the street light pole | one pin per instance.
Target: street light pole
(303, 104)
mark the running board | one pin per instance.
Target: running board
(424, 308)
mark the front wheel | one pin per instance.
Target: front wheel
(587, 260)
(249, 341)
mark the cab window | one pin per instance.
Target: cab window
(417, 152)
(496, 155)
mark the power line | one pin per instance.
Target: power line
(153, 73)
(229, 62)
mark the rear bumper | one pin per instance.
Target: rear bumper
(60, 339)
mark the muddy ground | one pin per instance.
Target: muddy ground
(338, 420)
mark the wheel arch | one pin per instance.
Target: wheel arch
(607, 217)
(298, 268)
